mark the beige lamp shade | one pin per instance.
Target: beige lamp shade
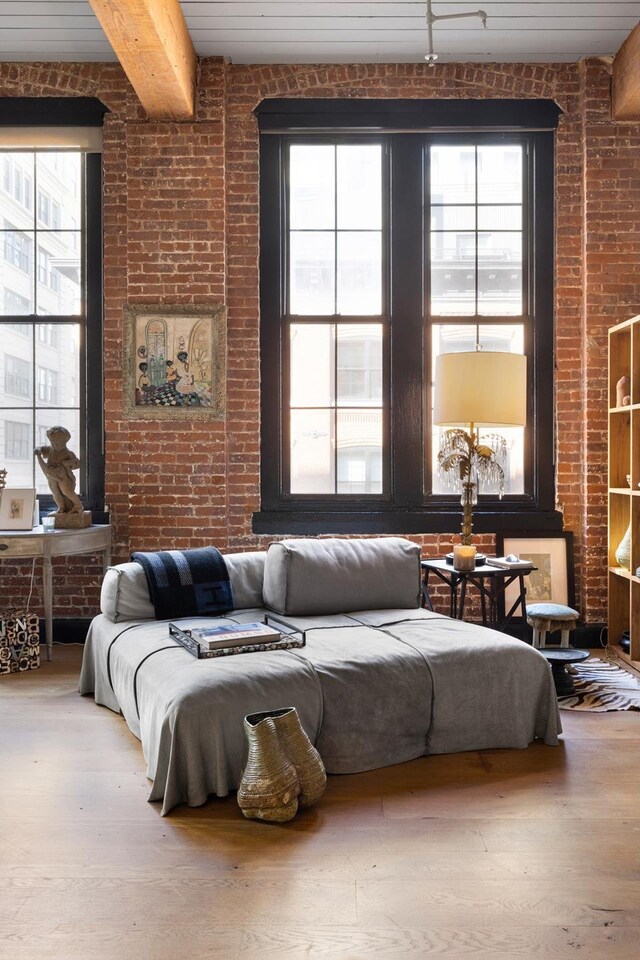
(486, 389)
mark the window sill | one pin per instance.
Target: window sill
(307, 523)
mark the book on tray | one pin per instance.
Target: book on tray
(229, 638)
(234, 634)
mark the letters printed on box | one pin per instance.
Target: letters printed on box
(19, 642)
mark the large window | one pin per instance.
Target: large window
(50, 265)
(378, 252)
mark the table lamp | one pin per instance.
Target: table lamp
(482, 390)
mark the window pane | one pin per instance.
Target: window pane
(453, 218)
(500, 174)
(16, 383)
(499, 273)
(359, 364)
(312, 187)
(359, 444)
(59, 190)
(500, 218)
(453, 174)
(54, 418)
(312, 273)
(312, 451)
(453, 273)
(17, 438)
(514, 467)
(506, 338)
(12, 303)
(16, 445)
(446, 338)
(359, 187)
(16, 189)
(454, 338)
(312, 364)
(57, 364)
(59, 274)
(359, 274)
(17, 260)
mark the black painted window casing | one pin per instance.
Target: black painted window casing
(407, 503)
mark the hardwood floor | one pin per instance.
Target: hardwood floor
(503, 854)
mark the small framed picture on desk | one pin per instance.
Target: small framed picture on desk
(552, 554)
(16, 508)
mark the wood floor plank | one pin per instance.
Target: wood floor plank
(513, 903)
(533, 943)
(499, 855)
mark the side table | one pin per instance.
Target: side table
(28, 544)
(491, 583)
(560, 658)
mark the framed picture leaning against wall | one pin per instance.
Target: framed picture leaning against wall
(552, 554)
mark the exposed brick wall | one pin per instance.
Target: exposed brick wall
(181, 226)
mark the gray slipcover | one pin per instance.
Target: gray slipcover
(125, 593)
(373, 688)
(314, 577)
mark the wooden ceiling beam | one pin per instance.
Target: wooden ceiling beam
(625, 91)
(151, 40)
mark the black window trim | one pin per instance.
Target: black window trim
(78, 112)
(409, 511)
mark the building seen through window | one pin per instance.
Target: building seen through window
(474, 208)
(41, 275)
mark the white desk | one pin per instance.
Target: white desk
(27, 544)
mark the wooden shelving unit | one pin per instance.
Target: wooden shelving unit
(624, 499)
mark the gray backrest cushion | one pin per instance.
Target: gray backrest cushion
(313, 577)
(125, 594)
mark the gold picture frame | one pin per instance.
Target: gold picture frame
(174, 362)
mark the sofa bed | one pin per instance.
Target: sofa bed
(379, 681)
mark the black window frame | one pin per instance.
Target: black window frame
(76, 112)
(405, 126)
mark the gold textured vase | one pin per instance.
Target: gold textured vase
(302, 754)
(269, 787)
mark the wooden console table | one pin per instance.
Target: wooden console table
(28, 544)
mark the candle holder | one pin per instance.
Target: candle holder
(464, 558)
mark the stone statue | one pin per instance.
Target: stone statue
(57, 464)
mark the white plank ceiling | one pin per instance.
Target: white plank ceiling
(337, 31)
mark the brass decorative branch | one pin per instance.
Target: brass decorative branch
(470, 462)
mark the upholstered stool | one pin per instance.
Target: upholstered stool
(547, 617)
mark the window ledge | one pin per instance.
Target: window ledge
(303, 523)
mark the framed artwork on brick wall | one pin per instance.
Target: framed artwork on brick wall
(552, 554)
(174, 362)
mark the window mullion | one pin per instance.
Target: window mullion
(408, 230)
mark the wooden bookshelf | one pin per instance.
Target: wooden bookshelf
(624, 499)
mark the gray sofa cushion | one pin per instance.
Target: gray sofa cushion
(125, 594)
(314, 577)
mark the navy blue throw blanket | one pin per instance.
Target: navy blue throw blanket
(187, 583)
